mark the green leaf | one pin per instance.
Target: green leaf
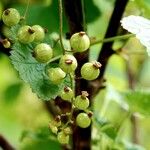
(13, 32)
(40, 139)
(29, 69)
(45, 89)
(92, 11)
(12, 92)
(33, 72)
(131, 146)
(110, 131)
(139, 101)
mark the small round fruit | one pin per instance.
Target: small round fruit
(67, 130)
(56, 75)
(26, 34)
(80, 42)
(39, 33)
(53, 128)
(6, 43)
(63, 138)
(68, 63)
(90, 70)
(83, 120)
(11, 17)
(43, 52)
(81, 102)
(67, 94)
(57, 121)
(6, 31)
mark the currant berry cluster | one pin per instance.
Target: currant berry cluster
(43, 53)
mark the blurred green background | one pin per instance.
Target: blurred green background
(24, 118)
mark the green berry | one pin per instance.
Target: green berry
(39, 33)
(63, 138)
(90, 70)
(68, 63)
(26, 34)
(53, 128)
(67, 94)
(81, 101)
(11, 17)
(6, 31)
(43, 52)
(57, 121)
(6, 43)
(80, 42)
(83, 120)
(56, 75)
(67, 130)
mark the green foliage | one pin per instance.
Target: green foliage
(131, 146)
(39, 139)
(50, 18)
(92, 11)
(32, 72)
(12, 92)
(110, 131)
(138, 101)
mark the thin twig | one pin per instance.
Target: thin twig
(61, 25)
(83, 13)
(111, 39)
(55, 58)
(27, 8)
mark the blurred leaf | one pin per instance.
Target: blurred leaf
(131, 146)
(139, 101)
(106, 127)
(12, 92)
(39, 140)
(92, 11)
(48, 15)
(143, 7)
(100, 121)
(39, 134)
(110, 131)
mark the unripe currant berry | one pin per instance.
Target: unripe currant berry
(26, 34)
(83, 120)
(6, 43)
(80, 42)
(90, 70)
(81, 101)
(57, 121)
(53, 128)
(6, 31)
(68, 63)
(67, 130)
(39, 33)
(56, 75)
(11, 17)
(43, 52)
(67, 94)
(63, 138)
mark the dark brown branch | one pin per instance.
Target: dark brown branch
(106, 50)
(73, 9)
(52, 108)
(4, 144)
